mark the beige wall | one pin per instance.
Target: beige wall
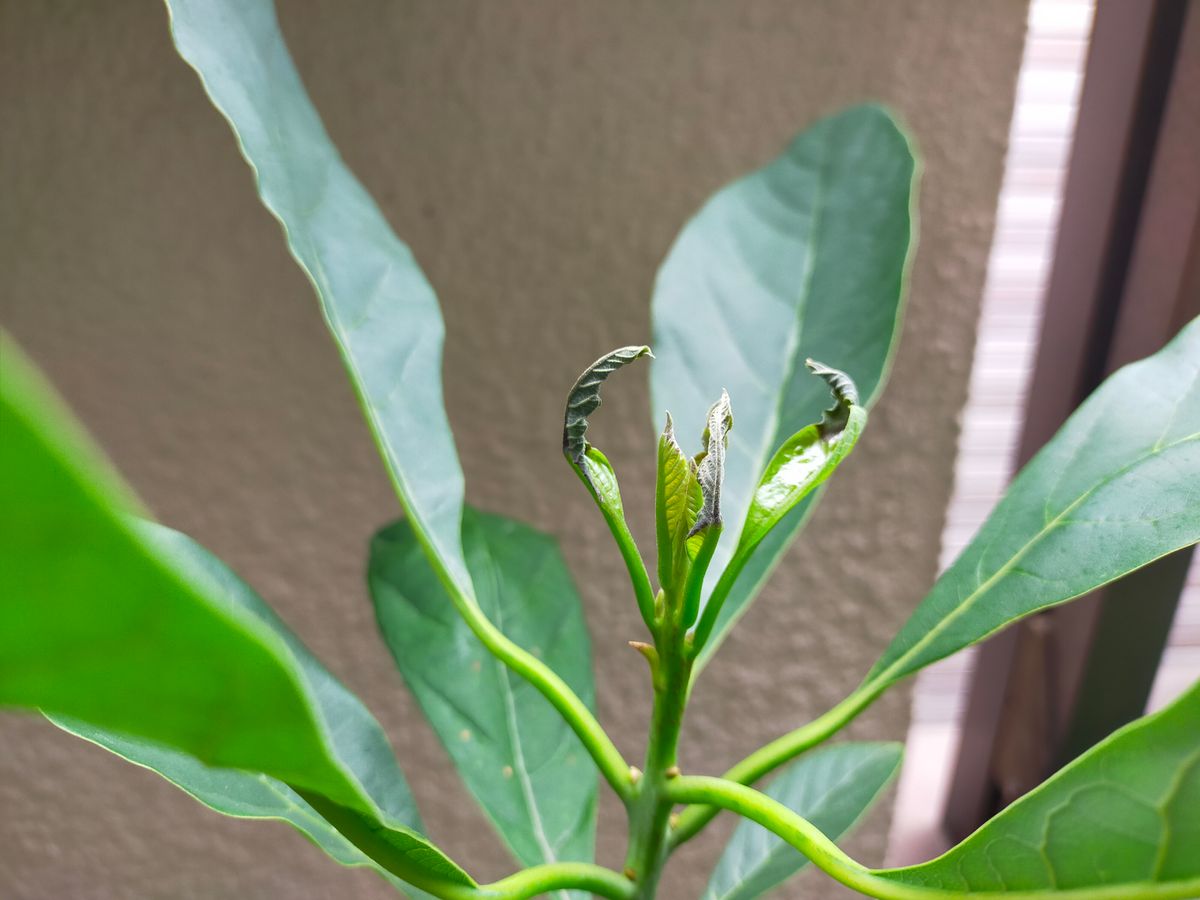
(539, 157)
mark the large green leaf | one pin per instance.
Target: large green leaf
(831, 787)
(378, 305)
(1116, 488)
(134, 629)
(243, 795)
(806, 257)
(516, 754)
(1124, 816)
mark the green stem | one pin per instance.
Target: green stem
(712, 609)
(557, 876)
(781, 750)
(595, 740)
(694, 585)
(650, 811)
(639, 578)
(635, 565)
(826, 855)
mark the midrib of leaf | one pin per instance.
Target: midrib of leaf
(810, 814)
(1189, 763)
(513, 731)
(1011, 563)
(771, 432)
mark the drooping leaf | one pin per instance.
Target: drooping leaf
(1125, 816)
(518, 757)
(1116, 488)
(243, 795)
(377, 303)
(134, 629)
(806, 257)
(678, 500)
(832, 787)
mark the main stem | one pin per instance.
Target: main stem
(650, 809)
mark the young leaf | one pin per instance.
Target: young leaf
(832, 787)
(1115, 489)
(597, 474)
(678, 500)
(806, 459)
(134, 629)
(807, 257)
(1125, 817)
(517, 756)
(800, 466)
(377, 303)
(243, 795)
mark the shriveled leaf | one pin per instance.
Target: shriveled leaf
(1116, 488)
(678, 500)
(582, 401)
(806, 257)
(805, 460)
(832, 787)
(518, 757)
(1123, 817)
(710, 463)
(377, 303)
(134, 629)
(597, 474)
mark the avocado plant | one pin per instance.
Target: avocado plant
(132, 636)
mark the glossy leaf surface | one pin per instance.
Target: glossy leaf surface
(518, 757)
(379, 307)
(1116, 488)
(133, 628)
(1124, 816)
(805, 460)
(806, 257)
(832, 787)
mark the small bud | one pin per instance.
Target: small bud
(648, 651)
(630, 873)
(673, 820)
(672, 772)
(635, 774)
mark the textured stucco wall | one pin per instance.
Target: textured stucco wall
(539, 158)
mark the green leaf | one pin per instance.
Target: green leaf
(1116, 488)
(806, 257)
(134, 629)
(1124, 816)
(678, 500)
(518, 757)
(243, 795)
(805, 460)
(379, 307)
(832, 787)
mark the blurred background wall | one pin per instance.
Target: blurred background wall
(539, 158)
